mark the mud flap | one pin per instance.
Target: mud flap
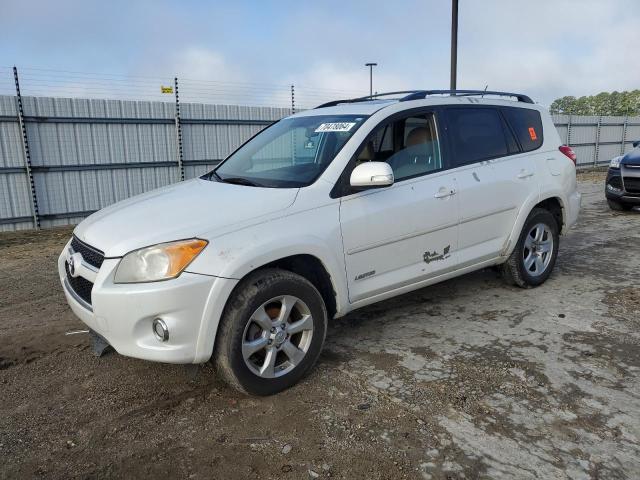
(192, 371)
(99, 345)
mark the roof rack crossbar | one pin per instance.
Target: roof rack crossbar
(420, 94)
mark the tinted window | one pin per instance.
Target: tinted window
(511, 140)
(476, 134)
(527, 126)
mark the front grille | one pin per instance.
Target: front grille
(80, 285)
(90, 255)
(632, 184)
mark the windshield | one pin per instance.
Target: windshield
(291, 153)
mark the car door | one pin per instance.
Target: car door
(494, 179)
(407, 232)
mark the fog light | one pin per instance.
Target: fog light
(613, 189)
(160, 330)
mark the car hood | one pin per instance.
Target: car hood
(631, 158)
(194, 208)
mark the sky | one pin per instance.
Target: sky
(238, 48)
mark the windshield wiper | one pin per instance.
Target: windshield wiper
(239, 181)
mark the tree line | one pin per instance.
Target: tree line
(605, 103)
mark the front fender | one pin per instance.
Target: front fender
(315, 233)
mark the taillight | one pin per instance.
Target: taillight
(568, 151)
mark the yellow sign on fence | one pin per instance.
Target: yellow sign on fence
(166, 89)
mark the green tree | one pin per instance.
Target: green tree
(562, 105)
(604, 103)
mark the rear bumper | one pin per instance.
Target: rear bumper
(574, 210)
(190, 305)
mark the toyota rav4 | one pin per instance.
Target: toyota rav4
(321, 213)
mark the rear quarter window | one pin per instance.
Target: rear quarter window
(527, 125)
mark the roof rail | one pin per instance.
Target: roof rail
(421, 94)
(333, 103)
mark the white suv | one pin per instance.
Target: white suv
(321, 213)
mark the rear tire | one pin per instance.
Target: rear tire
(534, 256)
(271, 333)
(617, 206)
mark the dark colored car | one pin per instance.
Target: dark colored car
(622, 187)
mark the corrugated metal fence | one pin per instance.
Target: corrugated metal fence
(86, 154)
(596, 140)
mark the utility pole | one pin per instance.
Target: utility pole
(454, 43)
(370, 65)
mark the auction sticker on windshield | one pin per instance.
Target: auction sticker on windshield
(335, 127)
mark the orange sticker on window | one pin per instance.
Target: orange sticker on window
(532, 133)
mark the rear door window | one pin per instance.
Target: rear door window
(527, 125)
(477, 134)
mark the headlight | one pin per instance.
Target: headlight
(158, 262)
(615, 162)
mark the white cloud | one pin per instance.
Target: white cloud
(203, 64)
(325, 81)
(545, 48)
(550, 49)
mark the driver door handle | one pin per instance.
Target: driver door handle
(444, 192)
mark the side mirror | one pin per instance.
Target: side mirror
(372, 174)
(636, 143)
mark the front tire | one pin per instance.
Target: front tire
(271, 333)
(534, 256)
(617, 206)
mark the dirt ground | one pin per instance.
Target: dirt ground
(466, 379)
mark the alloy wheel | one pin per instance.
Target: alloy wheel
(277, 336)
(538, 249)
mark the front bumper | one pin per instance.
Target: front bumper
(615, 188)
(190, 305)
(622, 198)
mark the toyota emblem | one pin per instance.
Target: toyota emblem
(73, 263)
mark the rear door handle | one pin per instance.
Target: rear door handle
(444, 192)
(525, 174)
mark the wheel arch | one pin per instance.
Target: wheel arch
(554, 204)
(311, 268)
